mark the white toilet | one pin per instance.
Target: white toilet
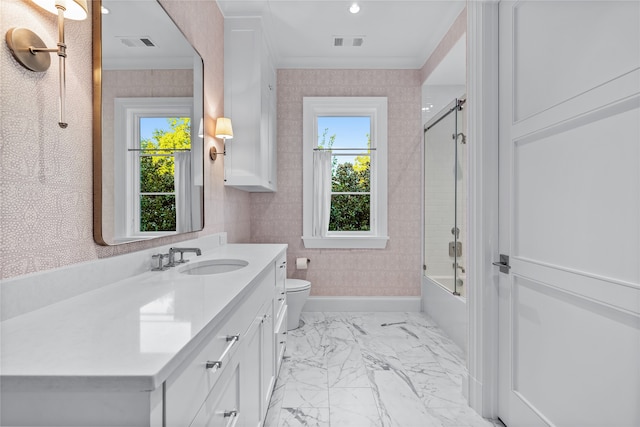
(297, 293)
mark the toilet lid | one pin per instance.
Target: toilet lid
(297, 284)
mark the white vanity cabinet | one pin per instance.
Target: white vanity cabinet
(221, 408)
(244, 344)
(188, 387)
(120, 356)
(250, 162)
(258, 372)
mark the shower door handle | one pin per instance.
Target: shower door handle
(503, 264)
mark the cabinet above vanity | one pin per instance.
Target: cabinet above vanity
(250, 162)
(166, 348)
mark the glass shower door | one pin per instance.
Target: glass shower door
(444, 200)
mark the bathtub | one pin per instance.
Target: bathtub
(447, 310)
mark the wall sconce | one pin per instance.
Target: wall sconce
(31, 52)
(224, 131)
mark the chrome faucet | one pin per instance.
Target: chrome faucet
(172, 255)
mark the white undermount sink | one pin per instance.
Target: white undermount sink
(214, 266)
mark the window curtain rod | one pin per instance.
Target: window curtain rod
(350, 149)
(159, 149)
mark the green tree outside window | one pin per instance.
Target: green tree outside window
(157, 174)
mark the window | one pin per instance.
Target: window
(345, 172)
(159, 140)
(154, 150)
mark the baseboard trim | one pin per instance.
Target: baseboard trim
(362, 304)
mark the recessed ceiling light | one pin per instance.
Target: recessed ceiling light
(104, 10)
(354, 8)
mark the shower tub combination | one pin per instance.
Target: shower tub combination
(444, 279)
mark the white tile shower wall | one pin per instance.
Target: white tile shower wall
(46, 212)
(277, 217)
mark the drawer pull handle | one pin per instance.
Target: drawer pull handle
(280, 299)
(217, 364)
(233, 417)
(282, 342)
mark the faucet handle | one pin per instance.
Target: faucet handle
(160, 258)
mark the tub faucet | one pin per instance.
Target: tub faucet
(172, 255)
(456, 265)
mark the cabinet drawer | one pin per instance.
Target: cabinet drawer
(281, 337)
(185, 393)
(188, 387)
(221, 408)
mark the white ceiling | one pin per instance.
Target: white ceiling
(397, 33)
(127, 23)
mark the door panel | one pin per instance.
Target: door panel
(556, 42)
(577, 180)
(570, 213)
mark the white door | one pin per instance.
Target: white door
(569, 308)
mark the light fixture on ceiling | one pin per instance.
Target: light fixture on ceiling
(32, 53)
(354, 8)
(224, 131)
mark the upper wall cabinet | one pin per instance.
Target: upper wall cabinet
(250, 102)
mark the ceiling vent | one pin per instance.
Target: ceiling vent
(348, 41)
(133, 41)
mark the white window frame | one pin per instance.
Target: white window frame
(376, 109)
(128, 112)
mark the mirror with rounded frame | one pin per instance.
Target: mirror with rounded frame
(148, 109)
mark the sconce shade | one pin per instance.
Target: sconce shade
(73, 9)
(223, 128)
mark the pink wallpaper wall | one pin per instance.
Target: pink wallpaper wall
(46, 173)
(394, 271)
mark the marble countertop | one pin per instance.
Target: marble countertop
(129, 335)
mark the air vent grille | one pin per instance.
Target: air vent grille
(348, 41)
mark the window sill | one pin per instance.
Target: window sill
(351, 242)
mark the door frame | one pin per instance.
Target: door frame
(483, 130)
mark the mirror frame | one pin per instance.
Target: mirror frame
(96, 35)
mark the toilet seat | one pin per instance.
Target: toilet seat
(297, 285)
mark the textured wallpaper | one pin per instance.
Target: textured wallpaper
(394, 271)
(46, 173)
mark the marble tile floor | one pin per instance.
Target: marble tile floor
(348, 370)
